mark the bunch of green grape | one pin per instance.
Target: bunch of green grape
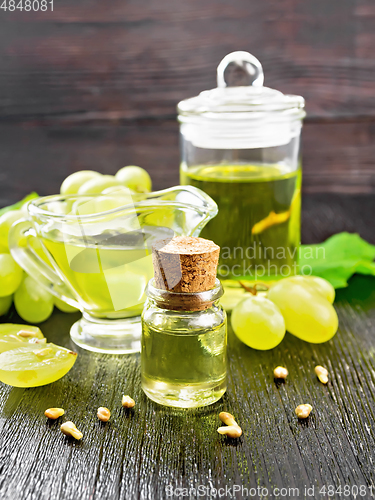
(32, 302)
(90, 182)
(301, 305)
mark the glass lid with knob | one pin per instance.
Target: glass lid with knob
(241, 112)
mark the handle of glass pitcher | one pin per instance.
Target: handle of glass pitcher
(22, 252)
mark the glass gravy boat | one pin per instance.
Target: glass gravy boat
(94, 253)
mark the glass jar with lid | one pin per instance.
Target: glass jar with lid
(240, 143)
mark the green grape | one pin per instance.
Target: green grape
(111, 202)
(98, 184)
(74, 181)
(258, 323)
(10, 275)
(97, 205)
(5, 303)
(121, 194)
(33, 303)
(13, 336)
(118, 191)
(135, 178)
(6, 221)
(33, 365)
(308, 315)
(63, 306)
(320, 285)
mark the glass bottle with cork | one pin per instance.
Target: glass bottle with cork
(184, 330)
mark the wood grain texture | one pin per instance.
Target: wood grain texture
(140, 58)
(40, 157)
(142, 451)
(97, 83)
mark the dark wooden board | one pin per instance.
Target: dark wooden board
(39, 156)
(138, 59)
(142, 451)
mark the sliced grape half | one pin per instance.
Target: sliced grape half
(13, 336)
(33, 366)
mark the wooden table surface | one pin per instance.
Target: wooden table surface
(142, 452)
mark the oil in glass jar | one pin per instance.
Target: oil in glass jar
(259, 217)
(184, 330)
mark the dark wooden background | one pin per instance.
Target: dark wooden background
(94, 84)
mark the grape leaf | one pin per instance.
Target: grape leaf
(338, 258)
(19, 204)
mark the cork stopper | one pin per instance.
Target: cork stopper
(185, 265)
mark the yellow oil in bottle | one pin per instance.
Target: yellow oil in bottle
(183, 356)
